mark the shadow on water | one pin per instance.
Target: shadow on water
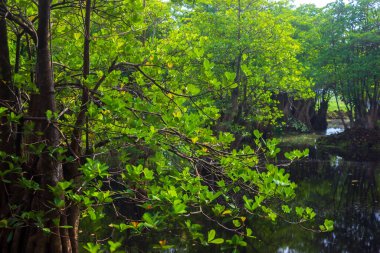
(347, 192)
(344, 191)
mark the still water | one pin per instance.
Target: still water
(337, 188)
(347, 192)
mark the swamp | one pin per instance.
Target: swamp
(189, 126)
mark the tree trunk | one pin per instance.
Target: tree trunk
(231, 115)
(7, 98)
(301, 110)
(284, 104)
(46, 164)
(372, 117)
(72, 169)
(319, 119)
(44, 168)
(7, 138)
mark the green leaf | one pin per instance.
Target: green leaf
(257, 134)
(2, 110)
(3, 223)
(92, 248)
(49, 115)
(246, 70)
(92, 214)
(179, 208)
(236, 223)
(60, 203)
(227, 212)
(148, 174)
(114, 245)
(192, 89)
(123, 227)
(217, 241)
(249, 233)
(29, 184)
(329, 225)
(66, 226)
(211, 235)
(199, 52)
(64, 185)
(230, 76)
(221, 183)
(299, 211)
(77, 36)
(46, 230)
(286, 209)
(206, 64)
(234, 85)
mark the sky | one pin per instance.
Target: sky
(318, 3)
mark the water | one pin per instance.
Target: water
(335, 126)
(333, 130)
(345, 191)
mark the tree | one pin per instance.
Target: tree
(247, 57)
(309, 22)
(350, 58)
(106, 124)
(46, 169)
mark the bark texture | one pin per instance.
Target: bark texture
(45, 168)
(72, 169)
(7, 133)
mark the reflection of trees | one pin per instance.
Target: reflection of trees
(357, 224)
(344, 191)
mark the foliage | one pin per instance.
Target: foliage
(298, 125)
(133, 124)
(345, 57)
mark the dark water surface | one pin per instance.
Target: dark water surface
(347, 192)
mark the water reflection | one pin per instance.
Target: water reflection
(286, 250)
(335, 126)
(333, 130)
(344, 191)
